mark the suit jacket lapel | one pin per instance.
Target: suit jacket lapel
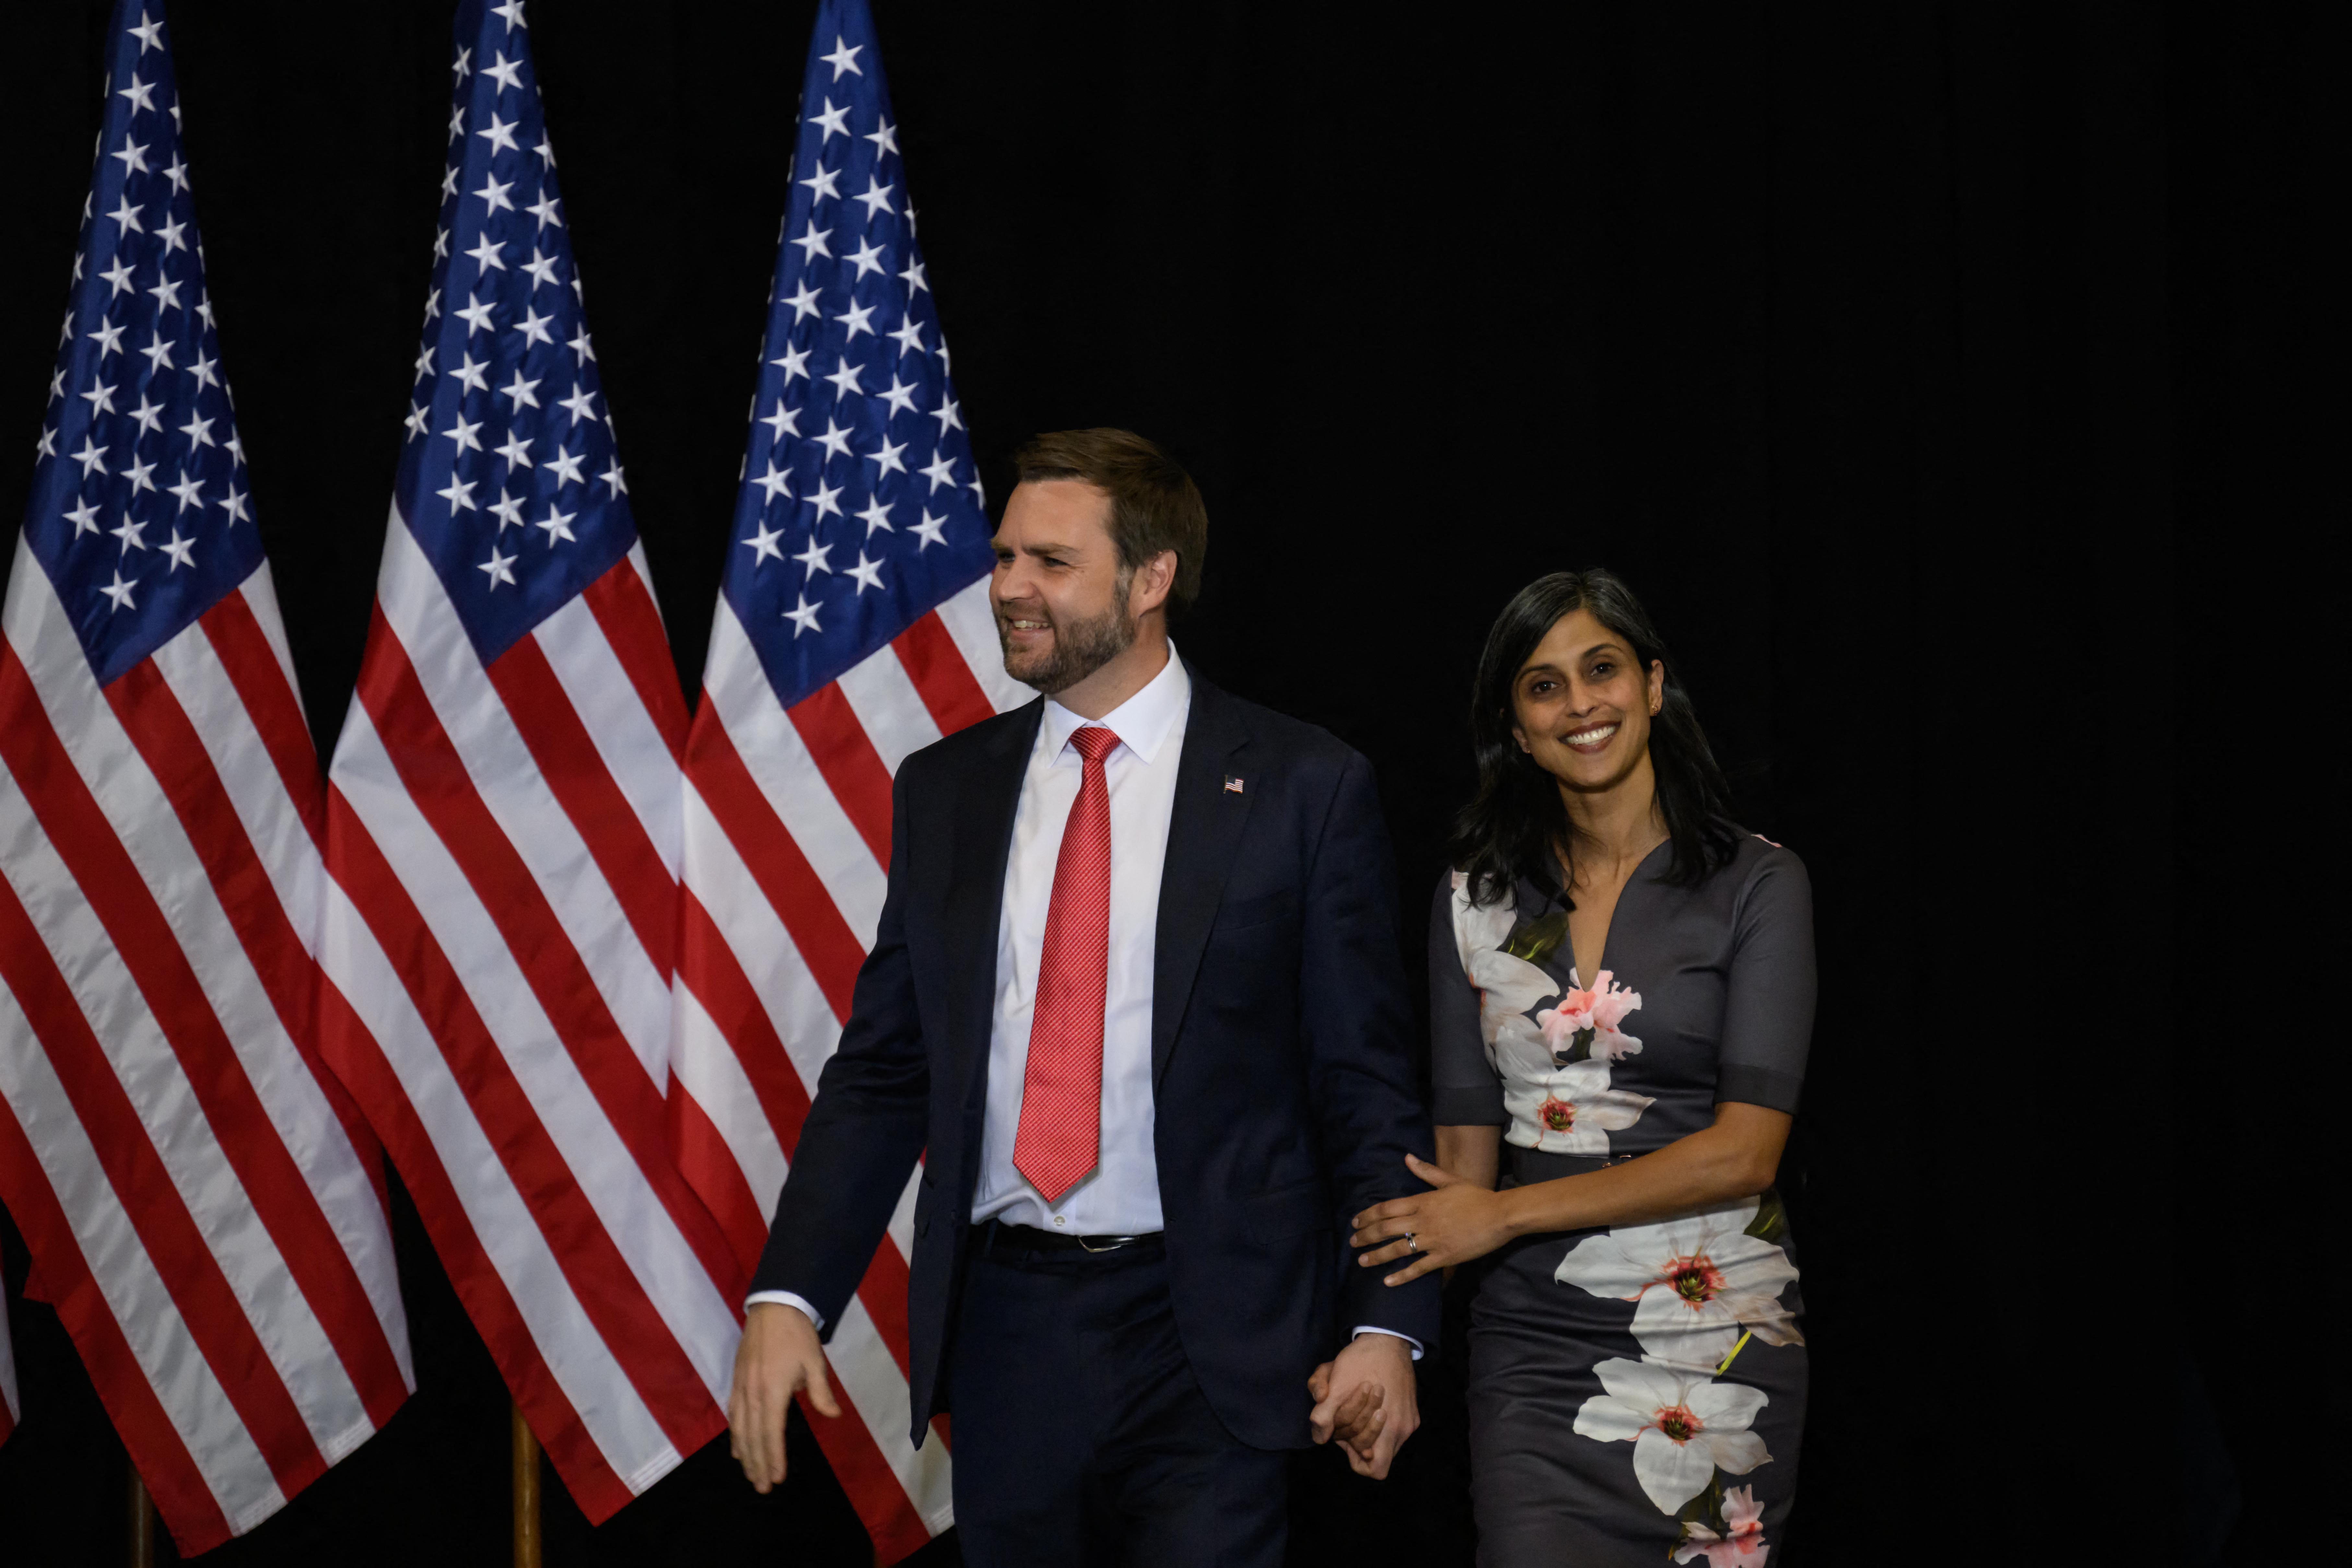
(1204, 832)
(979, 845)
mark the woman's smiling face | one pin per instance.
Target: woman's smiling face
(1581, 704)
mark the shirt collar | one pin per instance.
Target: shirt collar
(1143, 722)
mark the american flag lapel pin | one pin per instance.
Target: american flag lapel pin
(1233, 783)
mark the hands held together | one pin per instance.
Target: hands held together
(1454, 1221)
(1365, 1398)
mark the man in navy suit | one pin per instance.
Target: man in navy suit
(1135, 1002)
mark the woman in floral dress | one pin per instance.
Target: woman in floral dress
(1622, 998)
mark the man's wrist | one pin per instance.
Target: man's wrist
(1411, 1344)
(785, 1298)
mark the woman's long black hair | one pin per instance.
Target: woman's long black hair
(1511, 826)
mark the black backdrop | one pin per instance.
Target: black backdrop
(1929, 368)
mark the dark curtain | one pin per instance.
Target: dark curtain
(1943, 376)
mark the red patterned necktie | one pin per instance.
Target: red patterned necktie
(1060, 1138)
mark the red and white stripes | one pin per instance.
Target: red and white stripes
(202, 1199)
(786, 851)
(590, 1068)
(503, 848)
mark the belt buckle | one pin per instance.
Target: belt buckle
(1114, 1243)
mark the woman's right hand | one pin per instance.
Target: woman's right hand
(1357, 1421)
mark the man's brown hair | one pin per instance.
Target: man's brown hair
(1154, 505)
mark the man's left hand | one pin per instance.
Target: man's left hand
(1384, 1362)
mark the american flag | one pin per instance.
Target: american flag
(202, 1203)
(852, 628)
(503, 830)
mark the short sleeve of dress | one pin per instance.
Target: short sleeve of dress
(1463, 1089)
(1768, 1020)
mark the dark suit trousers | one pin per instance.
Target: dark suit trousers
(1081, 1436)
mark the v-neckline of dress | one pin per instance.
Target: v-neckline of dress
(1575, 976)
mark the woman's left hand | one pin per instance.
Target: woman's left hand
(1455, 1222)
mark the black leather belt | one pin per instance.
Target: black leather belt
(998, 1237)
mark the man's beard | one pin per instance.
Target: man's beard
(1079, 648)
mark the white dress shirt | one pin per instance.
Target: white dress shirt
(1121, 1195)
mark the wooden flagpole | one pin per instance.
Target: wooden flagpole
(142, 1522)
(525, 1446)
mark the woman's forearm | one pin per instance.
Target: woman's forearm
(1735, 1158)
(1472, 1154)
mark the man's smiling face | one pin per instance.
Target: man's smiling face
(1060, 596)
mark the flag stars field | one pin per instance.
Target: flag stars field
(860, 414)
(508, 382)
(138, 392)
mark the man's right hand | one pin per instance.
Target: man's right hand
(779, 1357)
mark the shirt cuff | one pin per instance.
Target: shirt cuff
(815, 1318)
(1361, 1330)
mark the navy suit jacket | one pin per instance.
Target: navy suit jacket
(1285, 1096)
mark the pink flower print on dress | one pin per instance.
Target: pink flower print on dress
(1586, 1023)
(1568, 1028)
(1611, 1002)
(1742, 1544)
(1574, 1013)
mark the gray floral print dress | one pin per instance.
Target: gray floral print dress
(1636, 1393)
